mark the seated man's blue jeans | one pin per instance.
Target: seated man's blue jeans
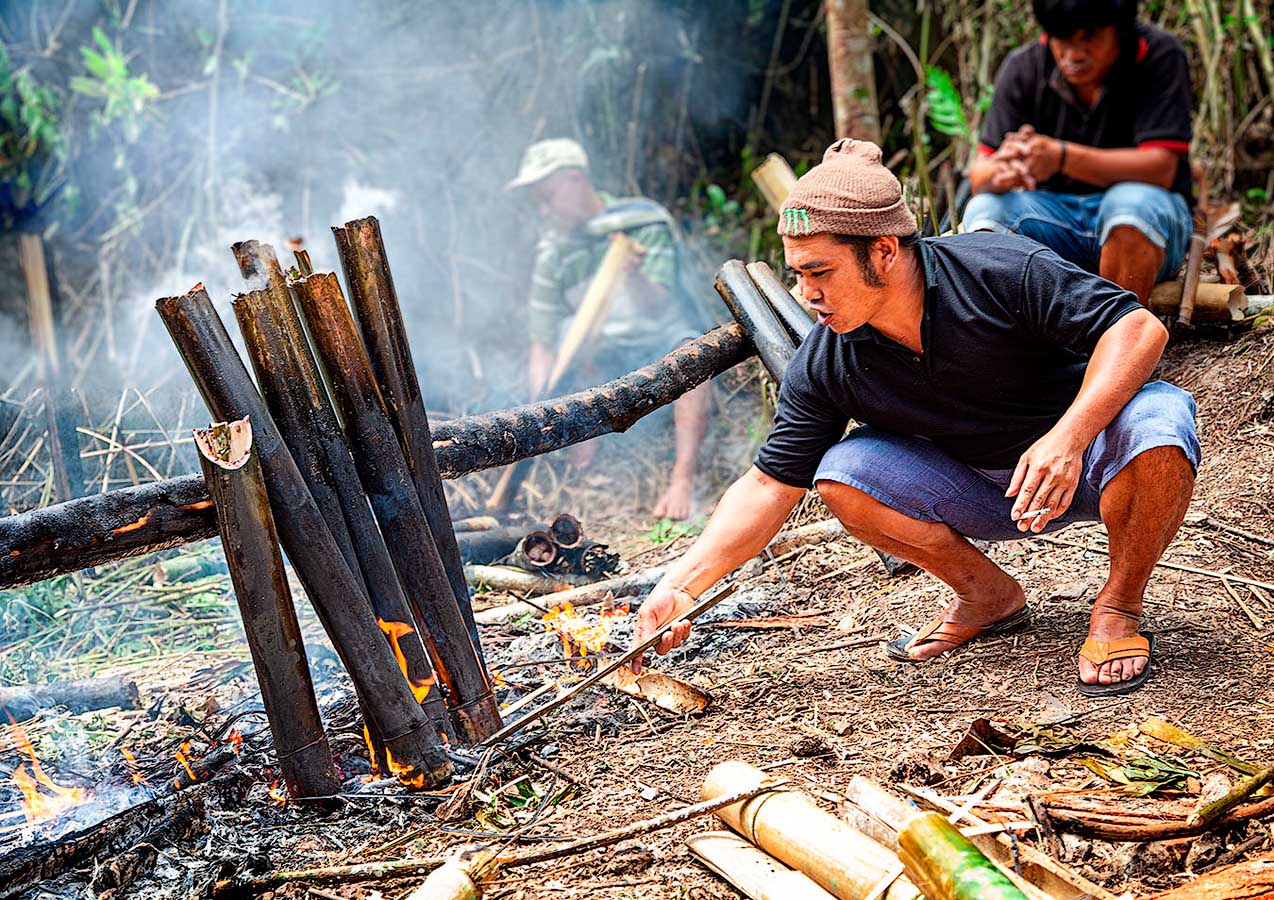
(1075, 226)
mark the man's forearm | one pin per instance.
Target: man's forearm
(980, 174)
(1103, 167)
(749, 514)
(1120, 365)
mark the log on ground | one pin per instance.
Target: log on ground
(24, 701)
(89, 531)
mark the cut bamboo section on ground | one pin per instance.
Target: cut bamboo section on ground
(233, 474)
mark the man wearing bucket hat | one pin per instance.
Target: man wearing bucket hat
(1002, 393)
(650, 313)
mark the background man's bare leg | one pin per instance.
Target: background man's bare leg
(985, 593)
(690, 422)
(1142, 507)
(1129, 259)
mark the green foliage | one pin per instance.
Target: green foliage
(946, 108)
(31, 145)
(127, 96)
(666, 531)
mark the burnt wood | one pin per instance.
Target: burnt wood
(337, 595)
(383, 471)
(25, 700)
(68, 537)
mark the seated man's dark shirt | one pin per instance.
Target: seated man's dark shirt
(1145, 102)
(1007, 330)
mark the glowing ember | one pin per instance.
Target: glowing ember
(42, 799)
(497, 679)
(133, 770)
(235, 739)
(183, 757)
(396, 630)
(409, 776)
(581, 640)
(278, 795)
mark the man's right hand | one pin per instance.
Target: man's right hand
(663, 605)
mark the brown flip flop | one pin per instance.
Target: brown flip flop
(954, 633)
(1098, 652)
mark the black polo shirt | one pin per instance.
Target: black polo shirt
(1145, 102)
(1007, 330)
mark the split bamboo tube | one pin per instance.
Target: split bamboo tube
(380, 320)
(233, 475)
(338, 597)
(1212, 302)
(752, 871)
(295, 395)
(775, 179)
(789, 826)
(383, 472)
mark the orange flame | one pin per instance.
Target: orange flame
(395, 630)
(183, 757)
(42, 799)
(133, 768)
(581, 640)
(371, 751)
(278, 795)
(497, 679)
(235, 739)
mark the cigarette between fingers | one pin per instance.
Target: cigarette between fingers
(1034, 513)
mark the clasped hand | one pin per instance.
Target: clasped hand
(1024, 159)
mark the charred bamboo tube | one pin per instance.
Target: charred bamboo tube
(338, 597)
(486, 547)
(294, 393)
(380, 321)
(773, 344)
(566, 531)
(793, 316)
(384, 475)
(100, 528)
(945, 865)
(233, 474)
(536, 552)
(475, 524)
(789, 826)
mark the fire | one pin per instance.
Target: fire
(497, 679)
(235, 739)
(183, 757)
(278, 795)
(396, 630)
(581, 640)
(407, 775)
(133, 769)
(42, 799)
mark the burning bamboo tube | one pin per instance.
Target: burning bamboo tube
(775, 179)
(385, 477)
(790, 312)
(789, 826)
(587, 321)
(750, 309)
(300, 406)
(338, 597)
(233, 474)
(380, 320)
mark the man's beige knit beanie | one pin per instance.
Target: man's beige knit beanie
(850, 192)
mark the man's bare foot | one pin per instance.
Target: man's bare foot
(676, 501)
(1110, 623)
(986, 610)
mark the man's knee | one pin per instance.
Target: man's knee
(851, 505)
(1159, 216)
(993, 212)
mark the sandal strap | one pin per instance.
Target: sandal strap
(1098, 652)
(949, 632)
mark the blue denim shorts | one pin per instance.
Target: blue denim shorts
(921, 481)
(1076, 225)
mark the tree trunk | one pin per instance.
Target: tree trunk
(849, 49)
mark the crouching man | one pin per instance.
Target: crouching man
(1002, 393)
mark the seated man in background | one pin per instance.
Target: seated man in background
(1085, 146)
(650, 314)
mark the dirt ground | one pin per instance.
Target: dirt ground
(823, 703)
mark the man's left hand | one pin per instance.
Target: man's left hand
(1046, 478)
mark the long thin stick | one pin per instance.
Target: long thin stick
(614, 836)
(1241, 791)
(535, 715)
(1223, 576)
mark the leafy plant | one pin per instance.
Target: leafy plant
(31, 146)
(946, 107)
(127, 96)
(666, 531)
